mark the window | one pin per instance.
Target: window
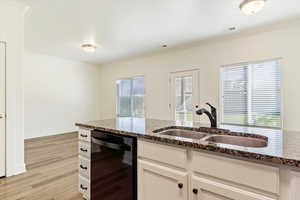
(130, 97)
(251, 94)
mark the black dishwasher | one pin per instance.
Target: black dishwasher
(113, 167)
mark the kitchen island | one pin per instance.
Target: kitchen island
(186, 168)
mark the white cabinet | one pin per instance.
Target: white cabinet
(157, 182)
(84, 164)
(205, 189)
(168, 173)
(237, 171)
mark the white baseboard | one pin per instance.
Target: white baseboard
(50, 132)
(16, 171)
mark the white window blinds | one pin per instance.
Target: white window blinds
(251, 94)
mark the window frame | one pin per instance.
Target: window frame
(221, 104)
(117, 94)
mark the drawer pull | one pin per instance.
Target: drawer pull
(195, 191)
(84, 136)
(83, 150)
(82, 167)
(180, 185)
(82, 187)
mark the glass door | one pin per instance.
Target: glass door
(130, 97)
(184, 95)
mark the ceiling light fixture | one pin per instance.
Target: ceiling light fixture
(250, 7)
(89, 48)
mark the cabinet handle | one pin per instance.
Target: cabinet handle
(195, 191)
(82, 167)
(180, 185)
(84, 136)
(82, 187)
(84, 150)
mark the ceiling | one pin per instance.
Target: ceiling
(123, 28)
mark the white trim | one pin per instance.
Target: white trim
(17, 170)
(195, 72)
(5, 107)
(280, 61)
(185, 70)
(14, 3)
(14, 104)
(252, 62)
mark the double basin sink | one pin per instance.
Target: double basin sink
(216, 139)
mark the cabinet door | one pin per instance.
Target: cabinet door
(156, 182)
(204, 189)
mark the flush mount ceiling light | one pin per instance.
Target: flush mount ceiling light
(250, 7)
(89, 48)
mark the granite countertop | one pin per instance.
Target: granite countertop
(283, 146)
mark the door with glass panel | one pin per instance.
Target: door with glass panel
(184, 95)
(130, 97)
(2, 109)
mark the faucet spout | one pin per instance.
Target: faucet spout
(211, 115)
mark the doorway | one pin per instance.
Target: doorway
(2, 109)
(184, 87)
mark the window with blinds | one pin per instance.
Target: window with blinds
(251, 94)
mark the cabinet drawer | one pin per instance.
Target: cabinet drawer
(84, 167)
(84, 149)
(84, 135)
(257, 176)
(162, 153)
(84, 187)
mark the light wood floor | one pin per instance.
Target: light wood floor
(51, 171)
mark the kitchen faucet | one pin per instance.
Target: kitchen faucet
(211, 115)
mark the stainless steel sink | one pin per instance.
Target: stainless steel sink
(184, 133)
(237, 140)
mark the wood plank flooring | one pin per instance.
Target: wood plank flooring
(52, 172)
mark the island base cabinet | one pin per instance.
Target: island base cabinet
(204, 189)
(156, 182)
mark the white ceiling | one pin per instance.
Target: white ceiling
(123, 28)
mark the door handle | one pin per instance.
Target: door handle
(83, 150)
(2, 116)
(82, 187)
(82, 167)
(84, 136)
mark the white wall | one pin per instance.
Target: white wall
(57, 94)
(11, 31)
(277, 41)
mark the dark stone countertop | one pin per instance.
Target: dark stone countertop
(283, 146)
